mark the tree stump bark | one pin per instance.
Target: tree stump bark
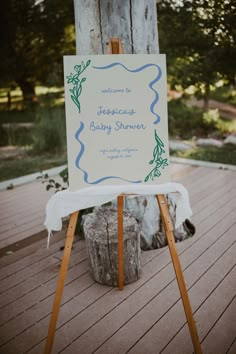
(100, 230)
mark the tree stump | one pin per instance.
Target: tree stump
(100, 230)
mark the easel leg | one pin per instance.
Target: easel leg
(61, 281)
(120, 203)
(178, 271)
(115, 47)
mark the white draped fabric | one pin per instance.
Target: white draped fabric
(66, 202)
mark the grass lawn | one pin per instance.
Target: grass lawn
(29, 164)
(225, 154)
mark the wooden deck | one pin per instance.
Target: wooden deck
(147, 316)
(22, 214)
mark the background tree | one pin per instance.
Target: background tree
(34, 36)
(199, 38)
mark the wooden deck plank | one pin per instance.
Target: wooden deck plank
(30, 250)
(49, 273)
(14, 292)
(20, 207)
(139, 324)
(207, 185)
(14, 327)
(26, 261)
(25, 225)
(29, 232)
(91, 294)
(65, 290)
(214, 185)
(219, 204)
(199, 292)
(212, 198)
(29, 197)
(35, 267)
(95, 317)
(28, 190)
(179, 171)
(20, 219)
(87, 318)
(207, 188)
(38, 251)
(128, 331)
(232, 348)
(223, 333)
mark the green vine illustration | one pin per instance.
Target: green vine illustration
(77, 83)
(157, 159)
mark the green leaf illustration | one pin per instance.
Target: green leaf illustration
(159, 161)
(76, 102)
(77, 82)
(77, 68)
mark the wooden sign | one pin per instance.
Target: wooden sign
(116, 118)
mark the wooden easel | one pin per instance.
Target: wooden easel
(115, 47)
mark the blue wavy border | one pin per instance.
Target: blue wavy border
(81, 128)
(77, 161)
(150, 84)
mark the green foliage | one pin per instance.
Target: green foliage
(199, 38)
(52, 184)
(13, 127)
(3, 137)
(226, 94)
(17, 116)
(211, 118)
(13, 134)
(33, 42)
(225, 127)
(64, 176)
(50, 132)
(187, 122)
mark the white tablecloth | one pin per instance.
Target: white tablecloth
(66, 202)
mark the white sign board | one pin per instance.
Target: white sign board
(116, 118)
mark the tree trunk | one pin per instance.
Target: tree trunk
(9, 100)
(206, 97)
(134, 21)
(28, 89)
